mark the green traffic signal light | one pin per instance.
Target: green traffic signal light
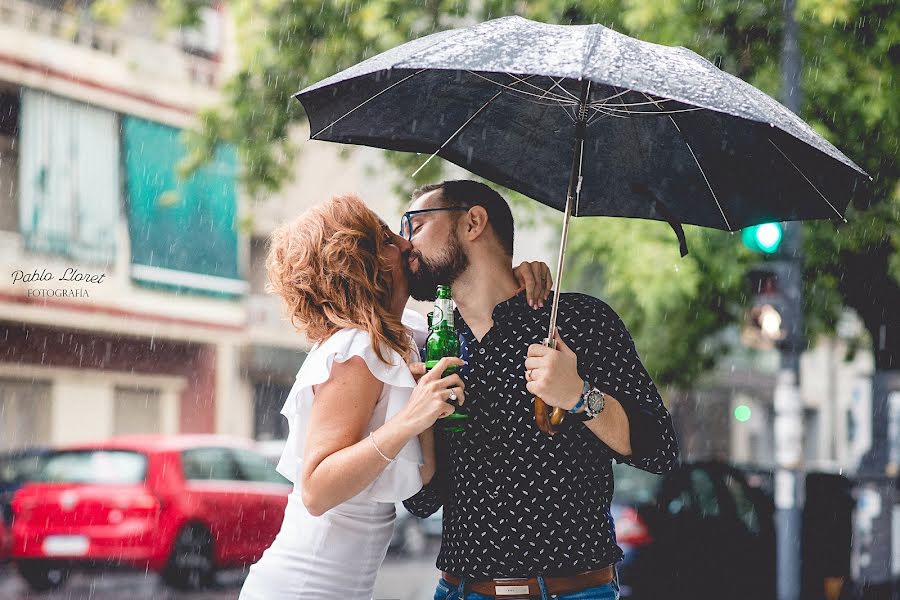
(765, 237)
(742, 413)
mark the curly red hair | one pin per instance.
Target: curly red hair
(328, 267)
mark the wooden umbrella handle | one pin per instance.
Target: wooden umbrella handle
(548, 418)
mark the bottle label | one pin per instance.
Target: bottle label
(443, 311)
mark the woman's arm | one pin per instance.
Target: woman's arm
(339, 462)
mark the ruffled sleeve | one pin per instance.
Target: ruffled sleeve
(401, 478)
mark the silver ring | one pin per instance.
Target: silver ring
(453, 395)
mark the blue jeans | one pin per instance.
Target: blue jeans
(610, 591)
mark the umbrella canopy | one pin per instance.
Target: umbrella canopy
(501, 99)
(591, 122)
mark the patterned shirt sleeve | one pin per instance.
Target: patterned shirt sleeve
(613, 366)
(431, 497)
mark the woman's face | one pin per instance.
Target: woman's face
(396, 250)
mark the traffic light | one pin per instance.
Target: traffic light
(767, 317)
(765, 237)
(742, 413)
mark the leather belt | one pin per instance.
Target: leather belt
(525, 587)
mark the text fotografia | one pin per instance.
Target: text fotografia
(70, 274)
(57, 293)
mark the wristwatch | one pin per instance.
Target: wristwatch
(595, 403)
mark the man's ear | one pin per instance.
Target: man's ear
(476, 222)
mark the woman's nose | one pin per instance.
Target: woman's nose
(403, 244)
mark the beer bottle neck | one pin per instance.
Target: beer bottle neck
(443, 313)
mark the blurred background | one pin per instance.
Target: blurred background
(147, 149)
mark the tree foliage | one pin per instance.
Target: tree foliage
(675, 307)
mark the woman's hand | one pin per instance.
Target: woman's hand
(429, 401)
(535, 279)
(418, 370)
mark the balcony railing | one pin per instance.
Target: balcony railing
(143, 54)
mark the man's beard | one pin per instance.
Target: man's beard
(443, 271)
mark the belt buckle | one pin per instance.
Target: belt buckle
(503, 589)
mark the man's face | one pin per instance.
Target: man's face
(437, 256)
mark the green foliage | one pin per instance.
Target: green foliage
(675, 307)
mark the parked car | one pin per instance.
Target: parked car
(271, 449)
(699, 532)
(17, 468)
(182, 506)
(4, 542)
(412, 534)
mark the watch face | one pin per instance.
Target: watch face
(595, 402)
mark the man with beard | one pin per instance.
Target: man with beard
(527, 514)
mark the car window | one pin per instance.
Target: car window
(746, 510)
(202, 464)
(634, 487)
(679, 504)
(18, 469)
(704, 491)
(254, 467)
(98, 467)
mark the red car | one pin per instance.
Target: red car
(4, 542)
(182, 506)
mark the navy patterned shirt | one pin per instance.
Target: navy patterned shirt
(518, 502)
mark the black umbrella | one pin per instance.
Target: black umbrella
(590, 122)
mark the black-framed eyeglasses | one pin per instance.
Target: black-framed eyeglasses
(406, 220)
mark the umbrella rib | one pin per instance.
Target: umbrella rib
(613, 97)
(702, 172)
(802, 174)
(524, 80)
(618, 96)
(557, 83)
(699, 166)
(657, 103)
(458, 131)
(390, 87)
(559, 99)
(652, 113)
(544, 92)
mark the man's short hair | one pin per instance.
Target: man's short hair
(463, 192)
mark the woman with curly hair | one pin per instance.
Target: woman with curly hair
(358, 419)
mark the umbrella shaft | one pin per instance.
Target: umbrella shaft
(573, 192)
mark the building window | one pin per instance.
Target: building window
(183, 232)
(205, 39)
(25, 418)
(9, 160)
(137, 410)
(68, 178)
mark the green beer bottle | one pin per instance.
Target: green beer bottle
(443, 341)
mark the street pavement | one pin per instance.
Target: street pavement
(401, 578)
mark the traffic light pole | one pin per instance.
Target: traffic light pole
(788, 401)
(789, 473)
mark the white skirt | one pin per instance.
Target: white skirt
(333, 556)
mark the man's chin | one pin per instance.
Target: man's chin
(423, 296)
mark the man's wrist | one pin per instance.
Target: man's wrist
(578, 407)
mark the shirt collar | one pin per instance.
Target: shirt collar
(511, 307)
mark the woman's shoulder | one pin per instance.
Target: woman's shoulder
(346, 344)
